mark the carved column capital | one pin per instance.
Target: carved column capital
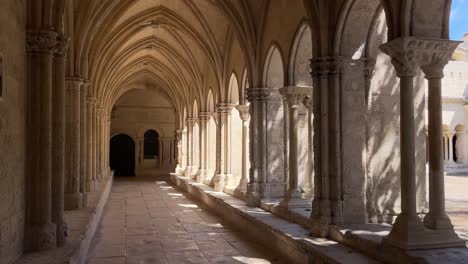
(243, 112)
(308, 102)
(224, 108)
(41, 42)
(294, 95)
(439, 52)
(99, 112)
(73, 84)
(91, 101)
(410, 53)
(258, 94)
(369, 67)
(325, 66)
(204, 116)
(61, 46)
(190, 121)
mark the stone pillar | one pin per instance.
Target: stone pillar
(90, 183)
(408, 232)
(99, 117)
(103, 145)
(327, 203)
(437, 218)
(179, 157)
(108, 131)
(94, 143)
(258, 98)
(244, 115)
(183, 149)
(203, 118)
(139, 148)
(40, 232)
(73, 196)
(460, 146)
(309, 190)
(58, 143)
(190, 169)
(84, 177)
(294, 96)
(224, 110)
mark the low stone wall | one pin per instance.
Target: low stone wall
(82, 225)
(290, 239)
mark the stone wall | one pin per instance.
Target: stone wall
(12, 128)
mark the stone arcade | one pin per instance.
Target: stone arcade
(316, 128)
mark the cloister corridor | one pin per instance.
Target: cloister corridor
(147, 220)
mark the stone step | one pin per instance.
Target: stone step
(290, 239)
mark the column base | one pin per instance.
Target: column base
(308, 191)
(200, 176)
(219, 182)
(320, 218)
(73, 201)
(253, 197)
(408, 233)
(295, 202)
(437, 222)
(42, 237)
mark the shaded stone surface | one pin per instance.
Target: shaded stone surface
(148, 221)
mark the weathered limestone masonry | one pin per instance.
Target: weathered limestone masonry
(203, 118)
(258, 98)
(408, 55)
(73, 196)
(224, 175)
(84, 176)
(327, 205)
(91, 182)
(40, 230)
(59, 140)
(294, 97)
(190, 169)
(245, 116)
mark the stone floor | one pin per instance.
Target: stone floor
(148, 221)
(456, 200)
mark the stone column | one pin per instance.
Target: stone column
(189, 170)
(203, 118)
(90, 182)
(244, 115)
(103, 145)
(94, 143)
(309, 190)
(437, 218)
(40, 232)
(258, 98)
(58, 143)
(99, 118)
(183, 149)
(460, 146)
(138, 154)
(224, 110)
(450, 148)
(84, 177)
(294, 97)
(179, 157)
(73, 196)
(408, 54)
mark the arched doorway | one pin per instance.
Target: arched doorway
(122, 155)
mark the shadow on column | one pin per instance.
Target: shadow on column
(122, 155)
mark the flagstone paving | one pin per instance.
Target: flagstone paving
(148, 221)
(456, 200)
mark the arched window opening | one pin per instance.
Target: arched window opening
(454, 148)
(151, 144)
